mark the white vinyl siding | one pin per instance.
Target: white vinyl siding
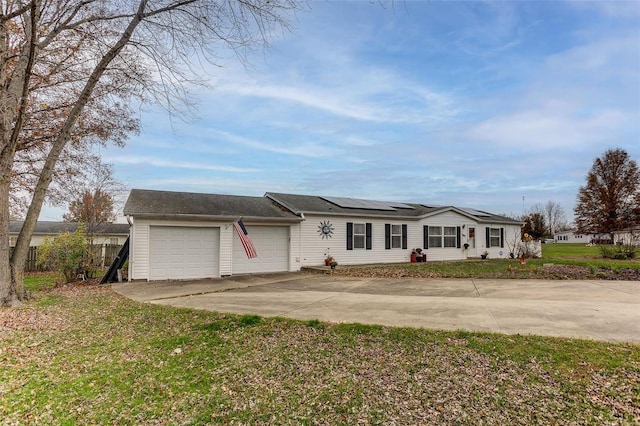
(140, 247)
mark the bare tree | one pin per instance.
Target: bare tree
(610, 200)
(554, 217)
(69, 61)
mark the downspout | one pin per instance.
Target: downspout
(130, 268)
(300, 240)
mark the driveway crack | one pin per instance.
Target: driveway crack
(484, 302)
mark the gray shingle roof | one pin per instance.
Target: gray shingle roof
(278, 206)
(142, 202)
(53, 228)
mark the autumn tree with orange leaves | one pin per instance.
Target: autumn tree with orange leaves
(93, 201)
(73, 73)
(609, 202)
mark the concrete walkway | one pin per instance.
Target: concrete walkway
(599, 310)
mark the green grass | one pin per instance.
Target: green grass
(554, 254)
(570, 251)
(41, 281)
(94, 357)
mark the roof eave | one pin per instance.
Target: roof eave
(198, 217)
(370, 215)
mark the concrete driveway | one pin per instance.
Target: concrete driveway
(600, 310)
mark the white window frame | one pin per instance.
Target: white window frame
(359, 237)
(396, 236)
(449, 239)
(494, 237)
(435, 239)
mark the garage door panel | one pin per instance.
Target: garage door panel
(272, 246)
(183, 252)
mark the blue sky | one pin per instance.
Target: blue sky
(475, 104)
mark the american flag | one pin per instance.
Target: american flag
(249, 248)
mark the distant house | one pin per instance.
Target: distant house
(113, 233)
(571, 236)
(177, 235)
(628, 237)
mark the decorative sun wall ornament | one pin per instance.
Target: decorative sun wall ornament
(325, 229)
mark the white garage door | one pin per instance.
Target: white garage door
(272, 246)
(183, 252)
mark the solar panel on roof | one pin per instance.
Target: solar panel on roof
(398, 205)
(354, 203)
(474, 212)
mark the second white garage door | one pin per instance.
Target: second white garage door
(183, 252)
(272, 246)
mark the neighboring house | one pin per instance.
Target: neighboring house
(572, 237)
(113, 233)
(176, 235)
(628, 237)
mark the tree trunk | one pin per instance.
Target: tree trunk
(21, 250)
(15, 95)
(8, 294)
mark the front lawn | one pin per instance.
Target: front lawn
(559, 261)
(90, 356)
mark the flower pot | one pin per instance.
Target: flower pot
(413, 258)
(327, 262)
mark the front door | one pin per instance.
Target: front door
(471, 240)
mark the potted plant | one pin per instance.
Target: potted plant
(328, 260)
(419, 257)
(333, 264)
(484, 255)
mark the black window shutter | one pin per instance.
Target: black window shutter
(488, 237)
(404, 236)
(425, 236)
(458, 236)
(349, 236)
(501, 237)
(368, 236)
(387, 236)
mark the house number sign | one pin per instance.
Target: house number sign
(325, 229)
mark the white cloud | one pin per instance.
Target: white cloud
(299, 149)
(175, 164)
(545, 129)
